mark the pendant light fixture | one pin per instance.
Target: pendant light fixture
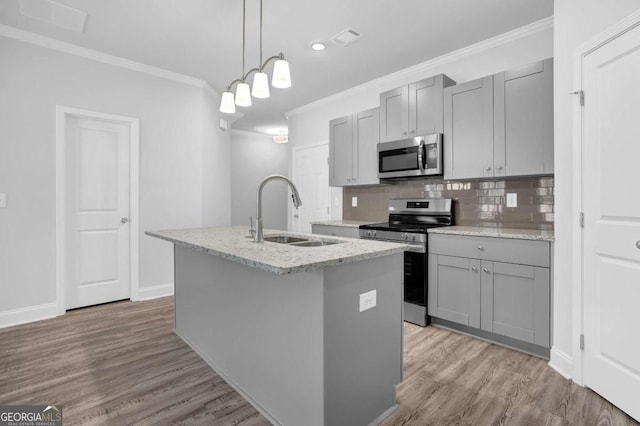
(281, 78)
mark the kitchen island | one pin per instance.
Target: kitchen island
(285, 326)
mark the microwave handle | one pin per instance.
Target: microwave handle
(421, 155)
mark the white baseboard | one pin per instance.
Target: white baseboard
(28, 314)
(155, 291)
(561, 362)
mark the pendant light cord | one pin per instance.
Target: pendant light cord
(244, 31)
(260, 33)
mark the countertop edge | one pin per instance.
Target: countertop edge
(277, 269)
(492, 234)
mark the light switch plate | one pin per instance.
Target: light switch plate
(3, 201)
(512, 199)
(368, 300)
(354, 201)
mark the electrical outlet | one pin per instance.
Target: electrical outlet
(354, 201)
(512, 199)
(367, 300)
(3, 201)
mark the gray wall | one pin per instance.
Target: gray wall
(253, 157)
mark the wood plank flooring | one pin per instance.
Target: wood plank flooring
(121, 364)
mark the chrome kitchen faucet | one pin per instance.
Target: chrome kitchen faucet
(256, 232)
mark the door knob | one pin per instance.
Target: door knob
(499, 168)
(485, 270)
(474, 269)
(638, 244)
(124, 220)
(480, 248)
(487, 168)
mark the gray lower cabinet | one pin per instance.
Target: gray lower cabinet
(500, 125)
(352, 149)
(497, 285)
(454, 289)
(335, 230)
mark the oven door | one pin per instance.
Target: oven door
(415, 278)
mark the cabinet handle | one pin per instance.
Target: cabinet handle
(404, 133)
(486, 270)
(638, 244)
(412, 132)
(480, 248)
(487, 168)
(474, 269)
(499, 168)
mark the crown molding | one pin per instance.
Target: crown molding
(424, 67)
(95, 55)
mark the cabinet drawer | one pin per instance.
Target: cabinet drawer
(509, 250)
(337, 231)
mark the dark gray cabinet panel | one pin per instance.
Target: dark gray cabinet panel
(454, 289)
(366, 137)
(468, 129)
(340, 151)
(413, 110)
(523, 118)
(394, 114)
(515, 301)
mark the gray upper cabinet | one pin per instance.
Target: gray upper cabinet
(501, 125)
(523, 141)
(468, 129)
(340, 151)
(352, 149)
(413, 110)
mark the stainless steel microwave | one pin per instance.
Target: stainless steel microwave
(419, 156)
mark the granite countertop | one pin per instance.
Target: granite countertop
(234, 243)
(497, 232)
(344, 223)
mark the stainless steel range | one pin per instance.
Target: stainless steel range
(409, 220)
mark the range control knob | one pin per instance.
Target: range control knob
(374, 233)
(414, 238)
(405, 237)
(368, 233)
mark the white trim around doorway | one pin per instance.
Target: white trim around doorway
(62, 112)
(578, 316)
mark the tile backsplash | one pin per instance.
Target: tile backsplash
(475, 202)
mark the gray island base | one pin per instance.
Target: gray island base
(295, 345)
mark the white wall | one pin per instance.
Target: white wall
(254, 157)
(173, 123)
(309, 125)
(576, 21)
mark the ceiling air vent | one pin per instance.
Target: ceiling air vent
(54, 13)
(346, 37)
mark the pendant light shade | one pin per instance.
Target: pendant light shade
(281, 76)
(243, 96)
(227, 104)
(281, 139)
(260, 85)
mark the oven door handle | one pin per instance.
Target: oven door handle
(421, 155)
(417, 248)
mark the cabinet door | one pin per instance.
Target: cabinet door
(425, 105)
(340, 151)
(366, 137)
(523, 114)
(468, 129)
(515, 301)
(454, 289)
(394, 114)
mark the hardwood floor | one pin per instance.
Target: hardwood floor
(121, 364)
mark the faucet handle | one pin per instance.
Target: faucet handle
(252, 230)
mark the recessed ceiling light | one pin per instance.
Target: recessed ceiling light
(317, 46)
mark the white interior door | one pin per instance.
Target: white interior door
(97, 258)
(611, 201)
(311, 176)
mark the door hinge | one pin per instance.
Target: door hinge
(582, 342)
(581, 219)
(579, 93)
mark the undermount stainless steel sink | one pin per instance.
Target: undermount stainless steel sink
(284, 239)
(299, 241)
(315, 243)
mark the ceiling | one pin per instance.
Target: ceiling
(203, 39)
